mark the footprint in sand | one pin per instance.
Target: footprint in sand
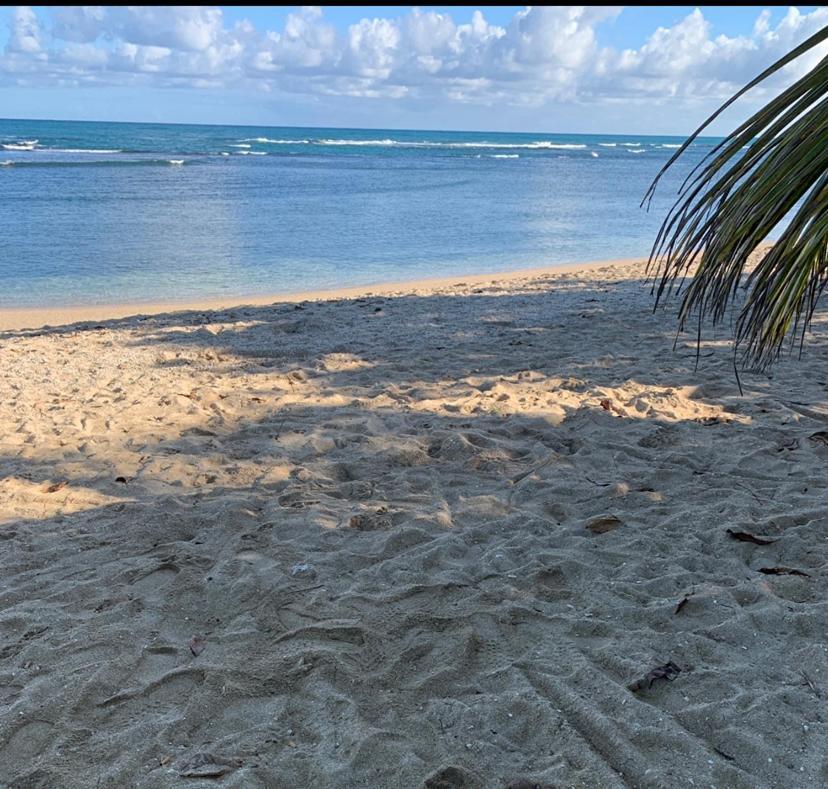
(151, 584)
(371, 521)
(663, 437)
(357, 490)
(453, 778)
(296, 500)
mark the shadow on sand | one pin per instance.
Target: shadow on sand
(376, 514)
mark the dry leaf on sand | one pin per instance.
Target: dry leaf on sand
(744, 536)
(668, 671)
(783, 571)
(603, 524)
(197, 645)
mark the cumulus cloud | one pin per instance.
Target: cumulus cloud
(544, 54)
(26, 34)
(686, 60)
(189, 28)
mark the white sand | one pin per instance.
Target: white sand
(375, 513)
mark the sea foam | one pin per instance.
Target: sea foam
(269, 141)
(539, 144)
(356, 142)
(83, 150)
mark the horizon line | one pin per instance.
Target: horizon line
(351, 128)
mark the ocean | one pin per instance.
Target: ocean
(123, 212)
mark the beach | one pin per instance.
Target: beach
(461, 533)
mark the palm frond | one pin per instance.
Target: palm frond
(773, 164)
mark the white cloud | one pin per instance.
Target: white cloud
(372, 48)
(685, 60)
(544, 55)
(26, 35)
(190, 28)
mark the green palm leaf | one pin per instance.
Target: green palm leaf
(774, 163)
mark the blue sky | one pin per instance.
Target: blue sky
(649, 69)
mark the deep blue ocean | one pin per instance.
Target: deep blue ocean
(123, 212)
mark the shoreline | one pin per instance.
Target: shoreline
(18, 318)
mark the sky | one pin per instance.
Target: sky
(565, 69)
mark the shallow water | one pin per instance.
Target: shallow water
(118, 212)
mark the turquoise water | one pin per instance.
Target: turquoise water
(117, 212)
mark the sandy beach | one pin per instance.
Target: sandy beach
(27, 318)
(482, 532)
